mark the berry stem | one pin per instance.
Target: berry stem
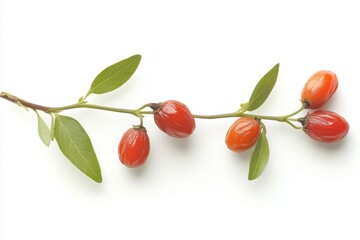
(93, 106)
(286, 118)
(139, 112)
(23, 102)
(215, 116)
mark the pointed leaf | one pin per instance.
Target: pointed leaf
(75, 144)
(114, 76)
(259, 158)
(263, 88)
(43, 130)
(52, 127)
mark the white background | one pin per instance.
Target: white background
(209, 55)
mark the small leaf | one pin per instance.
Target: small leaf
(244, 105)
(43, 130)
(259, 158)
(52, 127)
(263, 88)
(114, 76)
(75, 144)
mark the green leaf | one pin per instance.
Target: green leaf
(75, 144)
(43, 130)
(259, 158)
(52, 127)
(114, 76)
(263, 88)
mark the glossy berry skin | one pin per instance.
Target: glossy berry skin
(325, 126)
(243, 134)
(319, 88)
(174, 118)
(134, 147)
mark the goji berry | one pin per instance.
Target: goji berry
(319, 88)
(134, 147)
(243, 134)
(174, 118)
(325, 126)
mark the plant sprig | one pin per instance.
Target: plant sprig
(76, 145)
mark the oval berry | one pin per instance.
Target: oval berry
(174, 118)
(319, 88)
(134, 147)
(243, 134)
(325, 126)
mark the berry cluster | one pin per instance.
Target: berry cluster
(172, 117)
(322, 125)
(175, 119)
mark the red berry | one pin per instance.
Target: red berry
(243, 134)
(325, 126)
(174, 118)
(319, 88)
(134, 147)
